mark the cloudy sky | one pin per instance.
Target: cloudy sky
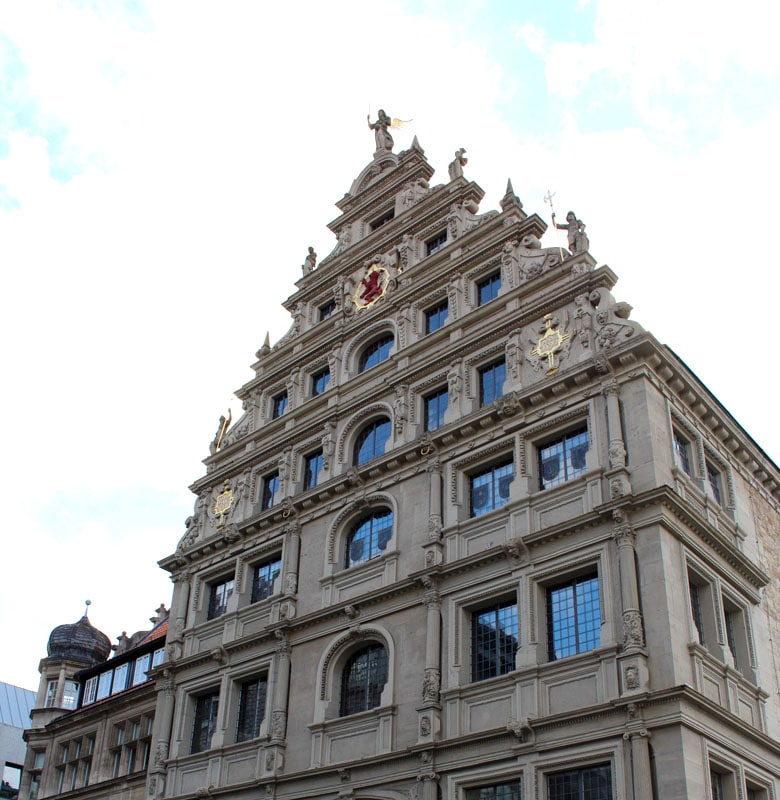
(164, 166)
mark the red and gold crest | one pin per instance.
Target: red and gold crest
(372, 287)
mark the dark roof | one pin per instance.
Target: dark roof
(79, 641)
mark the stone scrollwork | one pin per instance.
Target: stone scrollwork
(633, 635)
(431, 684)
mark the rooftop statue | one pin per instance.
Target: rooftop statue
(456, 166)
(384, 141)
(578, 241)
(310, 262)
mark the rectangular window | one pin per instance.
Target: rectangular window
(493, 641)
(116, 761)
(715, 480)
(158, 656)
(320, 381)
(131, 752)
(573, 617)
(682, 452)
(90, 690)
(279, 405)
(696, 611)
(489, 489)
(382, 220)
(70, 694)
(251, 708)
(205, 722)
(311, 474)
(436, 316)
(716, 781)
(38, 759)
(87, 771)
(491, 382)
(263, 577)
(563, 458)
(434, 244)
(737, 636)
(501, 791)
(219, 594)
(487, 288)
(588, 783)
(120, 678)
(435, 407)
(140, 669)
(51, 694)
(270, 488)
(104, 684)
(327, 309)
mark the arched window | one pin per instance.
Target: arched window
(363, 678)
(376, 352)
(372, 440)
(369, 537)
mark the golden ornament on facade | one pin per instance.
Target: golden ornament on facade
(550, 344)
(223, 503)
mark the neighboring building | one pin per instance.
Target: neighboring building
(15, 706)
(92, 722)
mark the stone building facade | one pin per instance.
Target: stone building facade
(478, 535)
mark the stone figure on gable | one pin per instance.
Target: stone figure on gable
(575, 228)
(456, 166)
(310, 262)
(384, 141)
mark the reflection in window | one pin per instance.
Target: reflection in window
(311, 474)
(682, 452)
(320, 381)
(369, 538)
(491, 382)
(219, 594)
(501, 791)
(363, 678)
(263, 577)
(279, 405)
(270, 488)
(435, 407)
(591, 783)
(375, 353)
(573, 617)
(205, 722)
(493, 641)
(490, 488)
(487, 288)
(372, 440)
(563, 458)
(251, 708)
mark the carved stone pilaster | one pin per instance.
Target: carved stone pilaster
(633, 635)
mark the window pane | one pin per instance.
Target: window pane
(251, 709)
(698, 619)
(327, 309)
(270, 488)
(141, 667)
(205, 722)
(436, 317)
(320, 381)
(487, 288)
(590, 783)
(279, 405)
(120, 678)
(435, 407)
(372, 440)
(682, 452)
(369, 538)
(491, 382)
(314, 464)
(364, 677)
(563, 459)
(714, 479)
(490, 489)
(436, 243)
(503, 791)
(573, 617)
(375, 353)
(104, 684)
(219, 596)
(493, 641)
(263, 579)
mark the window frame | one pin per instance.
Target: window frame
(491, 283)
(496, 499)
(500, 662)
(683, 452)
(388, 215)
(586, 637)
(311, 477)
(436, 395)
(563, 440)
(377, 544)
(279, 404)
(490, 791)
(380, 346)
(251, 726)
(436, 242)
(326, 310)
(438, 314)
(218, 607)
(580, 773)
(208, 716)
(371, 689)
(369, 430)
(271, 485)
(496, 391)
(320, 381)
(267, 564)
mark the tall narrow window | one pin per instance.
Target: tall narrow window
(263, 577)
(251, 708)
(696, 611)
(493, 641)
(435, 408)
(219, 594)
(491, 382)
(436, 316)
(371, 441)
(279, 405)
(573, 617)
(70, 694)
(682, 452)
(715, 480)
(369, 538)
(490, 487)
(205, 722)
(320, 381)
(270, 490)
(140, 669)
(563, 458)
(487, 288)
(311, 474)
(363, 678)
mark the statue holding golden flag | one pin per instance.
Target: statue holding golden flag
(384, 140)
